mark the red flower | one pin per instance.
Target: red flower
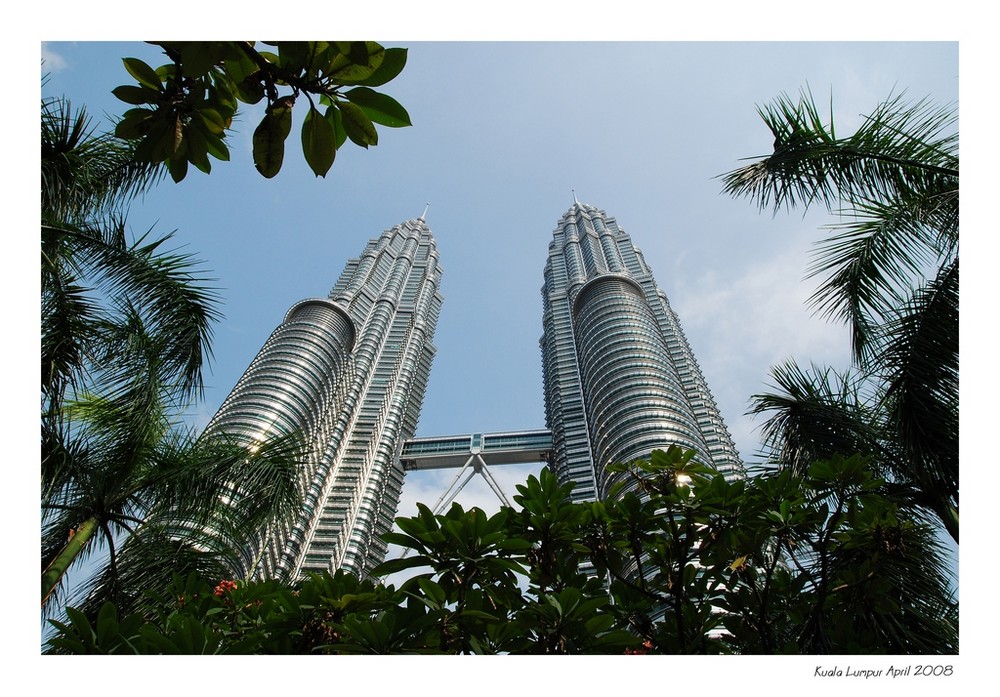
(224, 587)
(646, 647)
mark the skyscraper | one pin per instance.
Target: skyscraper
(619, 377)
(349, 373)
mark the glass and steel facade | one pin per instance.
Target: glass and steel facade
(619, 377)
(348, 372)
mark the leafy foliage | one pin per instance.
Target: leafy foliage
(183, 111)
(824, 562)
(894, 185)
(126, 328)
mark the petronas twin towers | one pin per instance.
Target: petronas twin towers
(348, 373)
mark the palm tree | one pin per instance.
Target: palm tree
(125, 334)
(894, 185)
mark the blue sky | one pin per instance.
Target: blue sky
(502, 133)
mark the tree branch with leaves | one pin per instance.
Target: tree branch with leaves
(184, 110)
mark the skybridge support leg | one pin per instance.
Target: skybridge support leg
(451, 492)
(488, 476)
(478, 467)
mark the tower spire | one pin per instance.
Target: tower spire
(574, 197)
(423, 215)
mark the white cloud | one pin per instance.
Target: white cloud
(51, 61)
(740, 324)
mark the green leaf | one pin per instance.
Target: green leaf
(298, 56)
(334, 116)
(318, 142)
(417, 528)
(216, 147)
(391, 66)
(82, 628)
(107, 625)
(391, 566)
(251, 88)
(381, 108)
(269, 140)
(240, 67)
(197, 148)
(358, 126)
(433, 591)
(154, 145)
(213, 120)
(358, 63)
(143, 73)
(177, 166)
(200, 56)
(400, 539)
(135, 94)
(133, 124)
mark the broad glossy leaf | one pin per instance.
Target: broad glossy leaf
(134, 124)
(107, 624)
(200, 56)
(213, 120)
(239, 67)
(357, 51)
(197, 148)
(358, 126)
(391, 566)
(391, 66)
(142, 72)
(135, 94)
(357, 64)
(337, 121)
(177, 167)
(251, 89)
(294, 56)
(269, 140)
(433, 591)
(318, 142)
(153, 147)
(418, 528)
(381, 108)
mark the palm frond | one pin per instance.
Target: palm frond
(84, 172)
(901, 151)
(920, 361)
(126, 331)
(164, 289)
(813, 415)
(146, 563)
(870, 265)
(222, 493)
(67, 332)
(176, 303)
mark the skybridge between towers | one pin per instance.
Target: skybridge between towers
(473, 454)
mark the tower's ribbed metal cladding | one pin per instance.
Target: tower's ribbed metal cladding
(349, 373)
(619, 377)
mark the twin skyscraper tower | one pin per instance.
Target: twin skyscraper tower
(348, 372)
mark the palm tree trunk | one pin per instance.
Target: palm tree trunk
(57, 568)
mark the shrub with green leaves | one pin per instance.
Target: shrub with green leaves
(684, 562)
